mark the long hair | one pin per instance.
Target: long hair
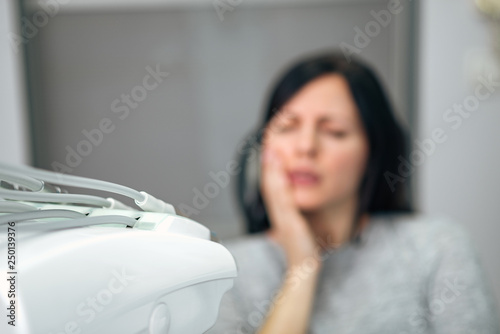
(387, 139)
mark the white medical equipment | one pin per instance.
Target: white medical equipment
(72, 263)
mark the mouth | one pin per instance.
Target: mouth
(303, 178)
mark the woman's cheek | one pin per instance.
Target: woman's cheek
(347, 165)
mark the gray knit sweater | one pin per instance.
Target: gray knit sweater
(410, 274)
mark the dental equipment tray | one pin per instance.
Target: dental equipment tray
(130, 272)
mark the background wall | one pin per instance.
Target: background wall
(460, 178)
(87, 60)
(14, 141)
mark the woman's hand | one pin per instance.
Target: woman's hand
(288, 227)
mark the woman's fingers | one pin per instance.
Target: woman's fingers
(276, 188)
(289, 228)
(277, 192)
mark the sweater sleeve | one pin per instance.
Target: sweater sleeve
(459, 296)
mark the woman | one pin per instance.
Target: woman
(334, 246)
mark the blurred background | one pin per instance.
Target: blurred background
(159, 95)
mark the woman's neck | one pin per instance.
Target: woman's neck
(333, 225)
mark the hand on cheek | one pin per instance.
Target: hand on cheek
(288, 226)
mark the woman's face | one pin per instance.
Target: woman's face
(322, 143)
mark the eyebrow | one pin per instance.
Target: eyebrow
(329, 119)
(287, 114)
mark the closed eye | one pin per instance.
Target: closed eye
(337, 134)
(282, 127)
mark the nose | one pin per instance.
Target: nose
(307, 141)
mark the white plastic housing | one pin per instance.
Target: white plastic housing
(164, 275)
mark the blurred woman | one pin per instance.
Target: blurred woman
(333, 244)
